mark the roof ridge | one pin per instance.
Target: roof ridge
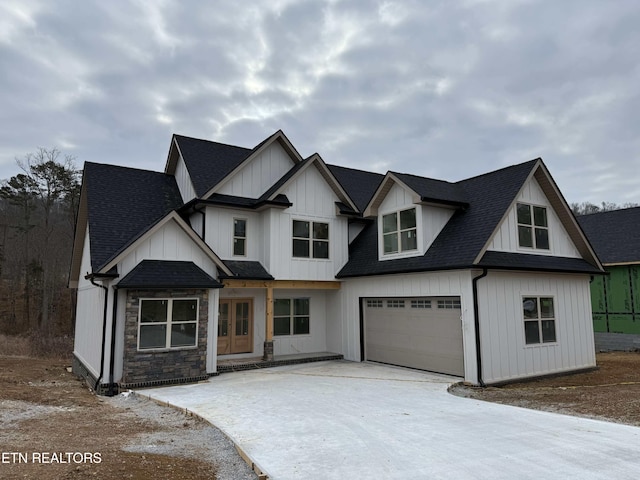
(608, 211)
(355, 169)
(212, 141)
(499, 170)
(422, 177)
(122, 167)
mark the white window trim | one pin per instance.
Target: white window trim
(168, 323)
(291, 318)
(540, 344)
(419, 234)
(537, 251)
(311, 221)
(246, 235)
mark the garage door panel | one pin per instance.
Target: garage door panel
(423, 338)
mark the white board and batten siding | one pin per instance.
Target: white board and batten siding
(506, 237)
(183, 179)
(219, 232)
(315, 341)
(313, 201)
(505, 355)
(344, 316)
(430, 220)
(89, 315)
(169, 243)
(259, 174)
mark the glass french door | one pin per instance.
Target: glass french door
(235, 326)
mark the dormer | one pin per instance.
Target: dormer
(411, 211)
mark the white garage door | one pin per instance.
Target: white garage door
(424, 333)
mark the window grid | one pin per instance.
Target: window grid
(533, 226)
(167, 323)
(420, 303)
(399, 231)
(310, 239)
(291, 316)
(449, 303)
(239, 237)
(375, 303)
(395, 303)
(539, 320)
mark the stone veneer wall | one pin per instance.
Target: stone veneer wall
(176, 365)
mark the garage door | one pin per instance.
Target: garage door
(424, 333)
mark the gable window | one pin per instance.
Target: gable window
(239, 237)
(168, 323)
(539, 320)
(399, 231)
(533, 229)
(310, 239)
(291, 316)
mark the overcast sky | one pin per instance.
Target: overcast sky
(445, 89)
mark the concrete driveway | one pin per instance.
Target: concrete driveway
(343, 420)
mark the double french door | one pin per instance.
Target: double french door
(235, 326)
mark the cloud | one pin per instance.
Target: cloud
(443, 89)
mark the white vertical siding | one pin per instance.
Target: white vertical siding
(344, 315)
(255, 178)
(212, 330)
(433, 221)
(196, 220)
(89, 315)
(183, 179)
(219, 232)
(506, 237)
(170, 242)
(397, 198)
(505, 356)
(313, 200)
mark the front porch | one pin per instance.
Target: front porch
(253, 363)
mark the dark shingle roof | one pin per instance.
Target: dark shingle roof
(462, 238)
(518, 261)
(209, 162)
(430, 189)
(168, 274)
(614, 235)
(123, 203)
(359, 185)
(246, 270)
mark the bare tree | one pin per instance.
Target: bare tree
(586, 208)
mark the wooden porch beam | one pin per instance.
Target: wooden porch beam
(280, 284)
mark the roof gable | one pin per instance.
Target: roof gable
(615, 235)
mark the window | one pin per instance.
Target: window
(533, 229)
(395, 303)
(168, 323)
(399, 231)
(539, 320)
(310, 239)
(420, 303)
(375, 303)
(239, 237)
(291, 315)
(449, 303)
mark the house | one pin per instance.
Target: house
(234, 253)
(615, 298)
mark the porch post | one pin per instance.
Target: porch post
(268, 337)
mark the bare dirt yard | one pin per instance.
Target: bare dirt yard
(611, 392)
(53, 426)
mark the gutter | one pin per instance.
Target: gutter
(111, 390)
(91, 277)
(476, 319)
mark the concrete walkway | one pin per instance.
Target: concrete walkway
(343, 420)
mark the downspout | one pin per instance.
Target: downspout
(104, 328)
(476, 318)
(111, 390)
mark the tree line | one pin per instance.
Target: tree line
(38, 212)
(38, 209)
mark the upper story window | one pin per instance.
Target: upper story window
(399, 231)
(533, 229)
(310, 239)
(239, 237)
(539, 320)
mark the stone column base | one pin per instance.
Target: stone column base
(268, 351)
